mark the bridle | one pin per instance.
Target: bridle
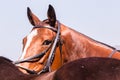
(37, 57)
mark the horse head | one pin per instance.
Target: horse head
(40, 39)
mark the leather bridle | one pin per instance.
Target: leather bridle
(37, 57)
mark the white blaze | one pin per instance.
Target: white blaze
(29, 40)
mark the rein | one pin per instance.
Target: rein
(39, 56)
(31, 59)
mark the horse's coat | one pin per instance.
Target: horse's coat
(94, 68)
(9, 71)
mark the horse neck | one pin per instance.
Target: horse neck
(77, 45)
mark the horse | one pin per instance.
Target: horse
(92, 68)
(8, 71)
(52, 38)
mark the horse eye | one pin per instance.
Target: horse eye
(47, 42)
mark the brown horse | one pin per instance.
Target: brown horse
(72, 44)
(94, 68)
(8, 71)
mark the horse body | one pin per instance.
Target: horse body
(75, 45)
(9, 71)
(92, 68)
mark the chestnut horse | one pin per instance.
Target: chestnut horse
(72, 44)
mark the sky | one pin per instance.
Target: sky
(98, 19)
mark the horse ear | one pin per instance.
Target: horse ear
(51, 16)
(32, 18)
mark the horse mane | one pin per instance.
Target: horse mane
(98, 41)
(93, 40)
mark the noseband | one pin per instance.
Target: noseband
(39, 56)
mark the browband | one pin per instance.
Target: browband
(47, 26)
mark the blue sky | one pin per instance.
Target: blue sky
(98, 19)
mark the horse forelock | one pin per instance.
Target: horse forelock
(46, 21)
